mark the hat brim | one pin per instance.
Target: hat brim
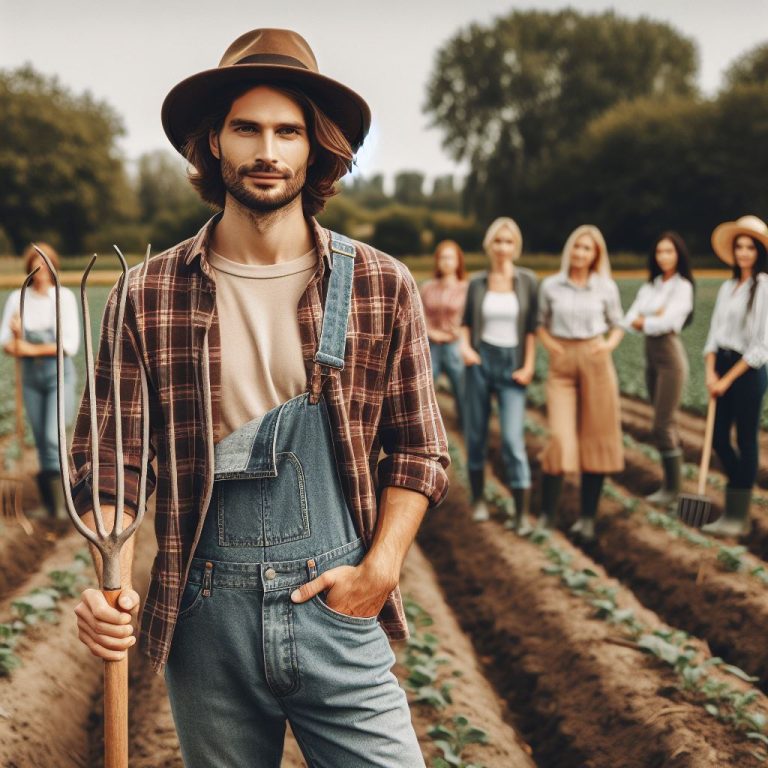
(725, 234)
(186, 103)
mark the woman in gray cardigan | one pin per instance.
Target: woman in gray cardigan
(498, 349)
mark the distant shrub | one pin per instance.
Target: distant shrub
(397, 234)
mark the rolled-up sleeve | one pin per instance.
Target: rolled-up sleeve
(756, 353)
(81, 455)
(411, 428)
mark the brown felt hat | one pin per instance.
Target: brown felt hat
(724, 235)
(265, 56)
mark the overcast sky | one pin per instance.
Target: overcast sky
(131, 53)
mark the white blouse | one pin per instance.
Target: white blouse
(40, 318)
(500, 311)
(571, 311)
(664, 305)
(732, 328)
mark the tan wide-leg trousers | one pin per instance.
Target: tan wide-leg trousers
(583, 411)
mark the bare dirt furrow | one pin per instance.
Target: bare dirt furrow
(46, 705)
(583, 701)
(684, 584)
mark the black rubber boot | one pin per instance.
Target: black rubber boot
(519, 521)
(551, 490)
(735, 519)
(672, 463)
(46, 493)
(477, 485)
(591, 489)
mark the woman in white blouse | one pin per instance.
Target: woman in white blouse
(36, 347)
(580, 326)
(736, 353)
(663, 306)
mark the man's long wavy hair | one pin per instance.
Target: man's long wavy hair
(331, 150)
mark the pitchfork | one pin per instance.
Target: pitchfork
(109, 544)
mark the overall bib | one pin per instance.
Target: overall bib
(244, 658)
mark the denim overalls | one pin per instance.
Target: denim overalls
(244, 657)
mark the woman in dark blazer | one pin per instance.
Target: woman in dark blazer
(498, 348)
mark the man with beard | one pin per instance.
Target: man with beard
(282, 358)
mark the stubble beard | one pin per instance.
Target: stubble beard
(261, 204)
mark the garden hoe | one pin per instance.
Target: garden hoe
(108, 543)
(696, 509)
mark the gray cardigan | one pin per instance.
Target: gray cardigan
(525, 287)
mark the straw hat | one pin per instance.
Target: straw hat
(725, 234)
(265, 56)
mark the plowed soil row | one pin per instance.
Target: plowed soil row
(51, 706)
(683, 583)
(583, 700)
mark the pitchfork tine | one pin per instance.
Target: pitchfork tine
(108, 544)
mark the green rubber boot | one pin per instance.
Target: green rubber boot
(519, 521)
(672, 462)
(735, 520)
(551, 490)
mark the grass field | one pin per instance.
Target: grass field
(629, 356)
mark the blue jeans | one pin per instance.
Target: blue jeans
(446, 359)
(39, 377)
(494, 376)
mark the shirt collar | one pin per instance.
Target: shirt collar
(592, 280)
(201, 241)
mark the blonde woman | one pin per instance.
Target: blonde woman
(498, 347)
(579, 325)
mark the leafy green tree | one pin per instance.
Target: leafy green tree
(398, 234)
(61, 175)
(409, 188)
(650, 165)
(749, 69)
(508, 94)
(169, 207)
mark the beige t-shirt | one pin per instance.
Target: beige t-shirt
(261, 357)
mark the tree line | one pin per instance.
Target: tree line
(567, 118)
(562, 118)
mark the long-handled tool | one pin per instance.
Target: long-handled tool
(109, 544)
(696, 509)
(13, 473)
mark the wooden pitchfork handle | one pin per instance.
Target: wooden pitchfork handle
(115, 703)
(706, 453)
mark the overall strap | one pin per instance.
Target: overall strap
(333, 335)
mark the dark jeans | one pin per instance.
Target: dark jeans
(742, 406)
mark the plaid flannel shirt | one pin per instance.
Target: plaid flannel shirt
(383, 399)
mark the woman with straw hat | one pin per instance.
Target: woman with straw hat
(499, 348)
(664, 305)
(736, 353)
(580, 315)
